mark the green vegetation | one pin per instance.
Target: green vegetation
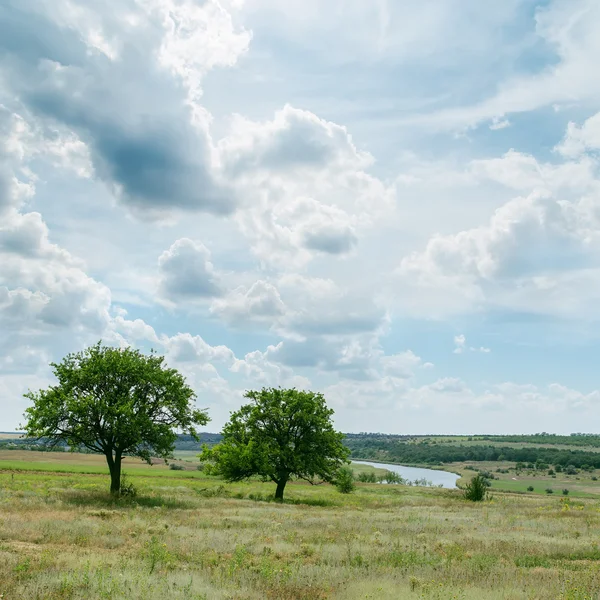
(280, 434)
(476, 489)
(114, 402)
(436, 451)
(63, 538)
(344, 481)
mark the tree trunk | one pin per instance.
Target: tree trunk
(114, 466)
(280, 487)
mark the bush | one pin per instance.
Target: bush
(345, 481)
(200, 467)
(571, 470)
(550, 471)
(594, 478)
(476, 489)
(549, 491)
(565, 492)
(175, 467)
(127, 489)
(367, 477)
(391, 477)
(530, 488)
(558, 468)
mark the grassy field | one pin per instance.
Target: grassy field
(580, 485)
(189, 536)
(465, 441)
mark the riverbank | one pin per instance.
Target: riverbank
(412, 465)
(418, 476)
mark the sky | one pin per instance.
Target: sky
(394, 203)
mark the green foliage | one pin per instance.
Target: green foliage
(115, 402)
(367, 477)
(278, 435)
(565, 492)
(344, 481)
(530, 488)
(396, 449)
(127, 489)
(476, 489)
(549, 491)
(392, 478)
(176, 467)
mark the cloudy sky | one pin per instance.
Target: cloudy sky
(396, 203)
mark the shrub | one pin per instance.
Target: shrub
(565, 492)
(530, 488)
(476, 489)
(571, 470)
(127, 489)
(175, 467)
(367, 477)
(549, 491)
(345, 481)
(391, 477)
(550, 471)
(558, 468)
(594, 478)
(200, 467)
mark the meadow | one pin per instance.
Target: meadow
(187, 535)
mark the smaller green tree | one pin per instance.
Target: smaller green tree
(344, 481)
(476, 489)
(278, 435)
(117, 403)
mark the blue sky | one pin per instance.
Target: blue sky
(394, 203)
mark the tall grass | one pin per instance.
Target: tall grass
(64, 538)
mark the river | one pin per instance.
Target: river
(437, 478)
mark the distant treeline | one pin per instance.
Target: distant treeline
(441, 453)
(417, 449)
(575, 439)
(184, 442)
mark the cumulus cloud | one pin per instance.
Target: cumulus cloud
(186, 272)
(243, 306)
(294, 140)
(146, 140)
(307, 189)
(460, 346)
(579, 140)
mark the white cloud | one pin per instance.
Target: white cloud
(186, 273)
(260, 302)
(459, 344)
(579, 140)
(306, 186)
(570, 29)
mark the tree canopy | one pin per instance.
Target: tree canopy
(280, 434)
(115, 402)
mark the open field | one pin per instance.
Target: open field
(580, 485)
(465, 441)
(62, 537)
(10, 436)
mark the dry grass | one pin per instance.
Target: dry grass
(62, 537)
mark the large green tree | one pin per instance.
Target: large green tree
(280, 434)
(115, 402)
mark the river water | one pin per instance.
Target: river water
(437, 478)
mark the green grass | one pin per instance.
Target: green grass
(580, 485)
(62, 537)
